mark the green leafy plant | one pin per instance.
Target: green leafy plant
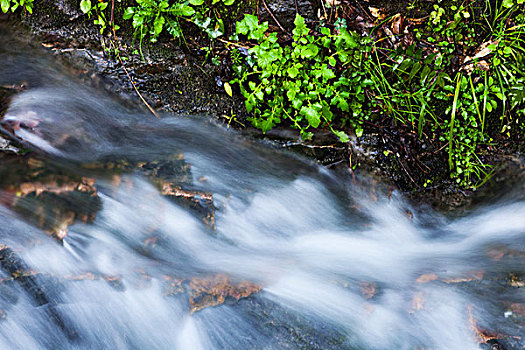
(97, 10)
(212, 15)
(333, 78)
(299, 83)
(152, 16)
(13, 5)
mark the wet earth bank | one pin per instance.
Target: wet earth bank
(182, 81)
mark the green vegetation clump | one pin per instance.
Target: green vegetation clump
(153, 16)
(97, 9)
(458, 82)
(469, 71)
(298, 82)
(13, 5)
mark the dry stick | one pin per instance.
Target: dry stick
(112, 17)
(137, 90)
(296, 8)
(233, 44)
(124, 67)
(275, 19)
(324, 9)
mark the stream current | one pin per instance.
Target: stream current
(337, 264)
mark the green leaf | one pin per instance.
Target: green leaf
(173, 28)
(85, 5)
(293, 72)
(128, 13)
(138, 20)
(327, 73)
(297, 103)
(343, 137)
(228, 89)
(5, 5)
(158, 24)
(343, 105)
(300, 27)
(228, 2)
(266, 58)
(508, 3)
(309, 51)
(415, 68)
(267, 124)
(489, 107)
(196, 2)
(247, 24)
(348, 38)
(312, 114)
(187, 10)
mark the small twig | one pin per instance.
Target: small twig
(125, 69)
(233, 44)
(135, 87)
(275, 19)
(364, 11)
(324, 9)
(406, 171)
(296, 8)
(112, 16)
(313, 146)
(439, 150)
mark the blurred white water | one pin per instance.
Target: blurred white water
(288, 238)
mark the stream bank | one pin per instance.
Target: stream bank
(181, 80)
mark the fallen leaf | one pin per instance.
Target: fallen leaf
(397, 24)
(228, 89)
(214, 290)
(470, 276)
(375, 12)
(427, 278)
(332, 3)
(516, 281)
(484, 49)
(368, 289)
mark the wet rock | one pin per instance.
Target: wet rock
(52, 13)
(31, 283)
(215, 290)
(201, 203)
(7, 146)
(48, 197)
(209, 291)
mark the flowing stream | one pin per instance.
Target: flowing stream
(305, 258)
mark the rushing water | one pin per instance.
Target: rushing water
(340, 267)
